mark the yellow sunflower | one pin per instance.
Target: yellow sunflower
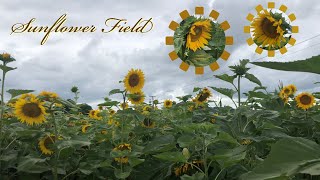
(124, 106)
(97, 115)
(293, 88)
(92, 113)
(286, 91)
(267, 30)
(146, 110)
(246, 142)
(6, 56)
(113, 122)
(26, 96)
(305, 100)
(138, 98)
(85, 127)
(48, 94)
(167, 103)
(148, 123)
(199, 35)
(30, 111)
(45, 143)
(203, 96)
(122, 147)
(134, 81)
(112, 112)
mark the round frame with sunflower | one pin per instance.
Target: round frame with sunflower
(199, 41)
(270, 29)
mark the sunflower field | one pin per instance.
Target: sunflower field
(267, 135)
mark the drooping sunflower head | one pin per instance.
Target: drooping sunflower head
(134, 81)
(85, 127)
(48, 95)
(124, 106)
(148, 123)
(268, 31)
(305, 100)
(30, 111)
(167, 103)
(137, 98)
(199, 34)
(45, 144)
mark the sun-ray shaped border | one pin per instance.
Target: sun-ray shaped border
(170, 40)
(282, 8)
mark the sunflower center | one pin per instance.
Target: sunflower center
(167, 103)
(136, 98)
(197, 35)
(48, 141)
(306, 100)
(31, 110)
(123, 147)
(134, 80)
(203, 97)
(286, 91)
(268, 28)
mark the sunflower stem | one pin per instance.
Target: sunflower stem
(2, 106)
(239, 92)
(55, 173)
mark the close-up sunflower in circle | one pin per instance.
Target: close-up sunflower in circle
(134, 80)
(30, 111)
(199, 40)
(271, 29)
(137, 98)
(305, 101)
(45, 144)
(167, 103)
(122, 147)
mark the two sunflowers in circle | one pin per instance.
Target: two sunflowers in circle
(200, 41)
(304, 100)
(32, 110)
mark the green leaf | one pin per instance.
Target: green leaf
(285, 159)
(123, 174)
(134, 161)
(253, 94)
(171, 156)
(200, 58)
(32, 165)
(115, 91)
(196, 89)
(230, 157)
(6, 68)
(253, 78)
(311, 65)
(160, 144)
(227, 92)
(18, 92)
(196, 176)
(226, 77)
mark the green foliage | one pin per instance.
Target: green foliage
(311, 65)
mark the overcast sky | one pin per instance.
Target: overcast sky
(96, 62)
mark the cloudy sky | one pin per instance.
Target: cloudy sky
(95, 62)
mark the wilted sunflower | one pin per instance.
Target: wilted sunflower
(48, 94)
(267, 30)
(44, 144)
(124, 106)
(305, 100)
(199, 34)
(148, 123)
(122, 147)
(30, 111)
(134, 81)
(85, 127)
(138, 98)
(185, 168)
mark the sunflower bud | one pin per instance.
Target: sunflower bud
(74, 89)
